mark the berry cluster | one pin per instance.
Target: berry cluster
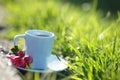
(20, 60)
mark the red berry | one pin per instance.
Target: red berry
(19, 62)
(21, 53)
(28, 59)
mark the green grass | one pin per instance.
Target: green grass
(89, 42)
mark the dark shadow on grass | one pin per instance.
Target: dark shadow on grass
(112, 6)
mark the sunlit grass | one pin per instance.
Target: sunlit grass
(89, 42)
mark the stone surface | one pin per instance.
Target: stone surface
(7, 71)
(6, 44)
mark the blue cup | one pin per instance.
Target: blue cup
(38, 44)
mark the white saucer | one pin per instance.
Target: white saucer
(55, 64)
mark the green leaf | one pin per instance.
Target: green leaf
(15, 49)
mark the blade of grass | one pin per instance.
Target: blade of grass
(36, 76)
(114, 44)
(76, 51)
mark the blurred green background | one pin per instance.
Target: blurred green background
(87, 33)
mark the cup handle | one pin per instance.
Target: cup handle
(18, 36)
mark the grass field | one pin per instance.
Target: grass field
(87, 40)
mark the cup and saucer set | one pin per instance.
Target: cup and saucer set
(38, 44)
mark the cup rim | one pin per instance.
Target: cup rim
(51, 34)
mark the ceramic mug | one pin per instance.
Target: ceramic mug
(38, 44)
